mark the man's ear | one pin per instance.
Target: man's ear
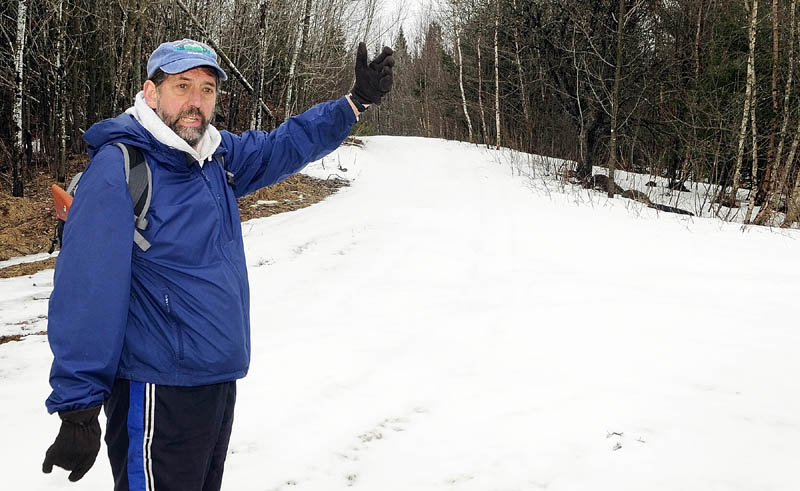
(150, 94)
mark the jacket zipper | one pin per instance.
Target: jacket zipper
(174, 325)
(225, 224)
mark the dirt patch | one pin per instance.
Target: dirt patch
(19, 337)
(294, 193)
(26, 224)
(27, 268)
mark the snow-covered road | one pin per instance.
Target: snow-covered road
(442, 324)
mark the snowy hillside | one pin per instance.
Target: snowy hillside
(446, 323)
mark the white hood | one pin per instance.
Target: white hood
(149, 119)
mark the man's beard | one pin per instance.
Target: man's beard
(190, 135)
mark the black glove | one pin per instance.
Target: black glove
(373, 81)
(77, 443)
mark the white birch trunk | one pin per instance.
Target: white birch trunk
(287, 112)
(123, 61)
(497, 72)
(461, 84)
(748, 98)
(773, 123)
(255, 120)
(19, 70)
(754, 168)
(61, 158)
(306, 26)
(304, 57)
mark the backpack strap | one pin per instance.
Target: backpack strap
(73, 184)
(140, 186)
(228, 174)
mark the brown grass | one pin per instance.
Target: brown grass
(19, 337)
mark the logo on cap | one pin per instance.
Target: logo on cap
(193, 47)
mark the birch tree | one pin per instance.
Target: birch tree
(61, 135)
(748, 99)
(457, 29)
(17, 185)
(497, 73)
(773, 124)
(255, 120)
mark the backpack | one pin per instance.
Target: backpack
(140, 186)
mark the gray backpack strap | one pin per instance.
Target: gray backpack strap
(140, 186)
(73, 184)
(229, 177)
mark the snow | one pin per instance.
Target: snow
(459, 320)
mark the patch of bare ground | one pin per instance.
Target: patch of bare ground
(26, 269)
(294, 193)
(26, 224)
(20, 337)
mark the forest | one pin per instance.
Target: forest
(696, 91)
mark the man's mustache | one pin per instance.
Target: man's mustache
(191, 112)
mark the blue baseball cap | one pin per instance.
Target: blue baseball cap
(179, 56)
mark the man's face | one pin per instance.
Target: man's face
(184, 102)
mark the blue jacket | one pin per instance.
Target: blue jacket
(179, 313)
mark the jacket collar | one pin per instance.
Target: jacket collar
(152, 123)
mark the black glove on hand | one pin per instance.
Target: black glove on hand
(373, 81)
(77, 443)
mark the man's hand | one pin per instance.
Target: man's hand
(77, 443)
(373, 81)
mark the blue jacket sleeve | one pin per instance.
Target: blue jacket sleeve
(258, 159)
(88, 308)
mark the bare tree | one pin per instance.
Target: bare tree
(128, 35)
(773, 123)
(370, 8)
(255, 120)
(61, 132)
(748, 98)
(773, 182)
(234, 70)
(526, 111)
(497, 73)
(484, 132)
(299, 56)
(793, 204)
(457, 29)
(612, 148)
(17, 185)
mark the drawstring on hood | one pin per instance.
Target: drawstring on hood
(151, 122)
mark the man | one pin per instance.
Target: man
(158, 337)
